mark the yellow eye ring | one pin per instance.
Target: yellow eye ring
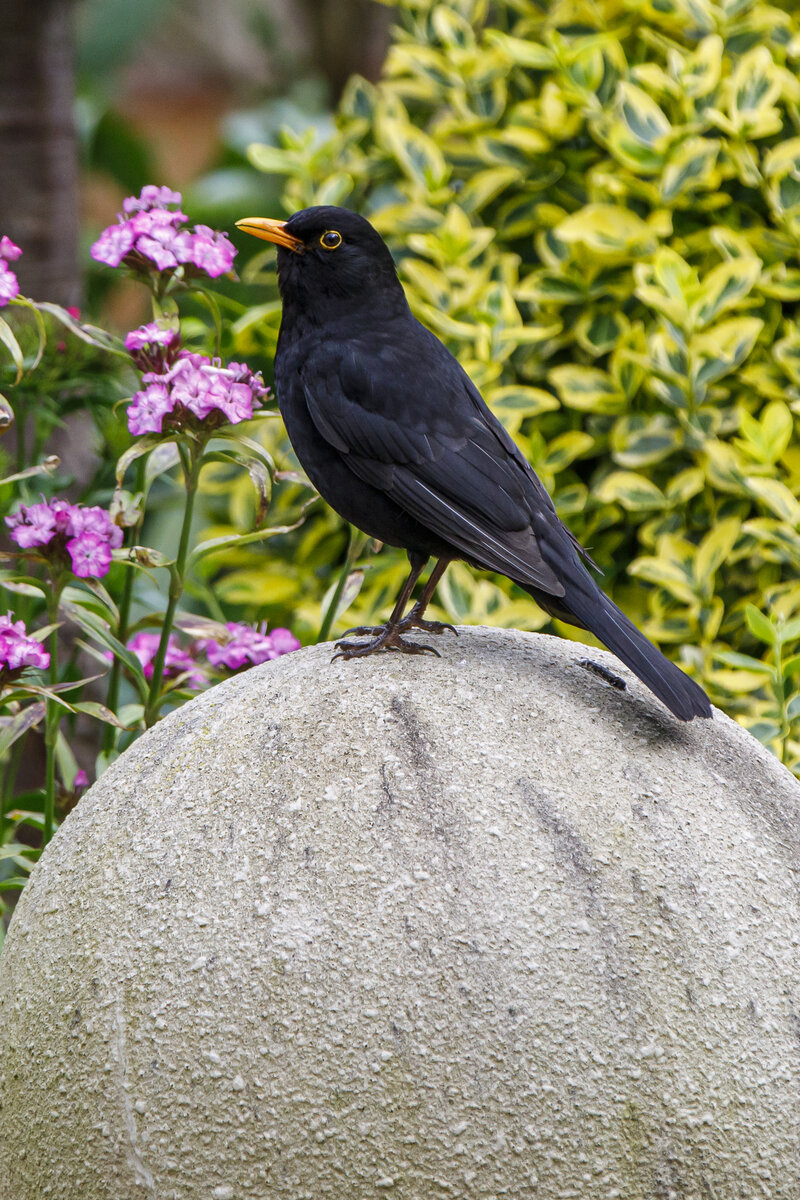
(331, 239)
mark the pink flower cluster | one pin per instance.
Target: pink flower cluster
(193, 388)
(245, 646)
(9, 287)
(17, 650)
(176, 662)
(151, 231)
(86, 535)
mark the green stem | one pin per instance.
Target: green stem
(52, 719)
(191, 464)
(10, 772)
(115, 677)
(354, 547)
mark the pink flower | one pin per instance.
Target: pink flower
(81, 780)
(237, 403)
(212, 252)
(82, 538)
(247, 646)
(152, 228)
(153, 334)
(194, 387)
(283, 641)
(148, 409)
(32, 526)
(176, 661)
(9, 250)
(113, 244)
(151, 197)
(90, 554)
(97, 521)
(9, 285)
(17, 650)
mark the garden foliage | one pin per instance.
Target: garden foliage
(597, 207)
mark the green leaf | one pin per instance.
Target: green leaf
(760, 626)
(47, 467)
(564, 449)
(634, 492)
(714, 549)
(667, 574)
(686, 484)
(690, 168)
(90, 334)
(743, 661)
(521, 51)
(519, 400)
(754, 87)
(767, 440)
(230, 541)
(587, 389)
(98, 632)
(606, 229)
(13, 728)
(723, 288)
(93, 709)
(12, 345)
(700, 72)
(638, 440)
(776, 496)
(417, 153)
(723, 348)
(142, 445)
(258, 473)
(645, 120)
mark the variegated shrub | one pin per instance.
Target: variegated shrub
(597, 206)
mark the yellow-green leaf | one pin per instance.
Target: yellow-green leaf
(714, 549)
(776, 496)
(643, 117)
(724, 287)
(633, 491)
(516, 399)
(587, 389)
(564, 449)
(690, 167)
(606, 229)
(724, 347)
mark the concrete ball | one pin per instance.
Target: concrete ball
(473, 927)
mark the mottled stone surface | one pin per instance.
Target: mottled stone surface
(475, 927)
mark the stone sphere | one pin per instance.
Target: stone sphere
(473, 927)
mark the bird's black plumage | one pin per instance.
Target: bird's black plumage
(396, 437)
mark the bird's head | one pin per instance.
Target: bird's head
(330, 258)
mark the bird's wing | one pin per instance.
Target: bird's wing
(439, 454)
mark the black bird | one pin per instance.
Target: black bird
(396, 437)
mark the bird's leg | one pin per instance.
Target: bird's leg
(414, 619)
(389, 636)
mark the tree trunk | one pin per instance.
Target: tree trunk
(346, 38)
(38, 155)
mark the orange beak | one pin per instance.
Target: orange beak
(271, 231)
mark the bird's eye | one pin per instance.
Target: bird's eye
(330, 240)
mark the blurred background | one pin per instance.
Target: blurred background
(99, 97)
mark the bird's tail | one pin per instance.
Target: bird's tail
(592, 609)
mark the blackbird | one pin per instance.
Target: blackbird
(396, 437)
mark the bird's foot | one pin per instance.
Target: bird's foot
(387, 638)
(391, 637)
(417, 622)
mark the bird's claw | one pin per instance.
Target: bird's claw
(388, 639)
(436, 627)
(363, 630)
